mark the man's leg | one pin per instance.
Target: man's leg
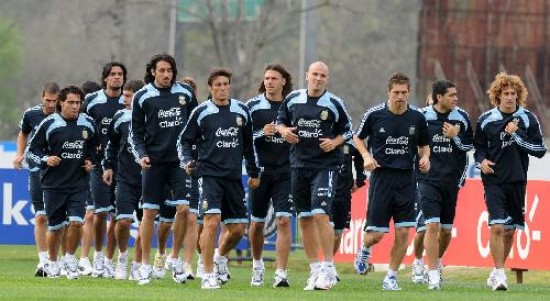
(190, 243)
(147, 229)
(84, 264)
(211, 224)
(110, 247)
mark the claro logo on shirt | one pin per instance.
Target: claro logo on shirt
(170, 118)
(400, 145)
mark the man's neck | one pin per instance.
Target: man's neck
(112, 92)
(223, 102)
(274, 96)
(315, 93)
(397, 109)
(440, 109)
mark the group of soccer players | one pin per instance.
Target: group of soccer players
(149, 151)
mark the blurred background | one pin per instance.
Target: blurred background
(362, 41)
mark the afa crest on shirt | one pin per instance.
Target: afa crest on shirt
(346, 149)
(181, 100)
(239, 121)
(412, 130)
(85, 134)
(323, 115)
(204, 204)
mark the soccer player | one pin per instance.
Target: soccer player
(102, 106)
(346, 185)
(29, 123)
(397, 133)
(65, 146)
(451, 137)
(273, 158)
(118, 156)
(222, 130)
(84, 264)
(504, 138)
(159, 112)
(316, 123)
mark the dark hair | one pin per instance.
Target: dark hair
(149, 77)
(440, 87)
(190, 82)
(399, 78)
(90, 87)
(107, 69)
(217, 73)
(51, 88)
(287, 88)
(133, 85)
(63, 95)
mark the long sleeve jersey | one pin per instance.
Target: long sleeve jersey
(158, 117)
(118, 153)
(393, 139)
(102, 108)
(32, 118)
(272, 152)
(74, 141)
(352, 160)
(314, 118)
(448, 157)
(510, 153)
(223, 136)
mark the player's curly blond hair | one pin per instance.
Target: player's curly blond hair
(503, 81)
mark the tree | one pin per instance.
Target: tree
(10, 66)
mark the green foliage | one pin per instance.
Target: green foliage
(10, 72)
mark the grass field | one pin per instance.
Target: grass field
(17, 282)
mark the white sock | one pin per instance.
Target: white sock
(123, 254)
(418, 261)
(315, 266)
(96, 254)
(258, 264)
(327, 264)
(43, 257)
(391, 273)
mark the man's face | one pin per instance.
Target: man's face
(398, 94)
(163, 74)
(317, 77)
(48, 102)
(128, 95)
(70, 107)
(274, 82)
(448, 101)
(508, 99)
(115, 78)
(220, 88)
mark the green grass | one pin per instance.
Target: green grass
(17, 282)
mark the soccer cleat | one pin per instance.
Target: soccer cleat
(61, 261)
(500, 283)
(434, 280)
(179, 274)
(159, 265)
(40, 271)
(189, 271)
(108, 269)
(134, 272)
(492, 278)
(145, 275)
(311, 281)
(71, 266)
(390, 284)
(324, 280)
(84, 266)
(281, 279)
(97, 270)
(209, 282)
(257, 277)
(120, 270)
(53, 270)
(361, 263)
(221, 269)
(418, 272)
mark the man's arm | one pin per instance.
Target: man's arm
(21, 145)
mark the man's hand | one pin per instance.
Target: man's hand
(270, 129)
(108, 177)
(53, 161)
(145, 163)
(327, 144)
(18, 161)
(190, 167)
(289, 135)
(88, 166)
(511, 127)
(486, 168)
(369, 163)
(424, 164)
(253, 183)
(450, 131)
